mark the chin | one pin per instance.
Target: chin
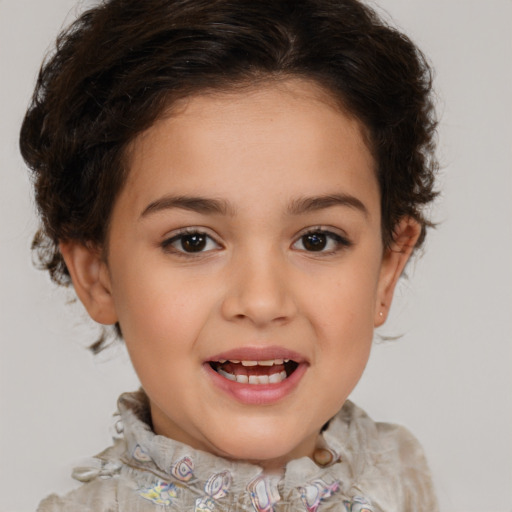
(269, 451)
(263, 438)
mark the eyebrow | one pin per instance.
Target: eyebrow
(311, 204)
(221, 207)
(195, 204)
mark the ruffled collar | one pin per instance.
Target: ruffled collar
(165, 468)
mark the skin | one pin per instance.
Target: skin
(259, 152)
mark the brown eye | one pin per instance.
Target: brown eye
(193, 243)
(314, 241)
(321, 241)
(190, 243)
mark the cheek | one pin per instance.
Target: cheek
(345, 337)
(345, 300)
(343, 312)
(161, 310)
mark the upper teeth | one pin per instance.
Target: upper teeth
(268, 362)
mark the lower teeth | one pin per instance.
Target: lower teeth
(274, 378)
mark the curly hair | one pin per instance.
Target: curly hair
(120, 65)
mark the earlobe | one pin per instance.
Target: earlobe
(395, 258)
(91, 280)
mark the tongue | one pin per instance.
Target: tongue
(240, 369)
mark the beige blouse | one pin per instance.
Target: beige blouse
(368, 467)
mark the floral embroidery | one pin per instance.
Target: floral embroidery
(263, 494)
(316, 492)
(204, 505)
(140, 454)
(217, 485)
(183, 469)
(162, 493)
(358, 504)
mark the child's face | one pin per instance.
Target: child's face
(248, 230)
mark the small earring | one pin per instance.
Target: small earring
(381, 314)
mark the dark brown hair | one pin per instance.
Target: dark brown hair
(120, 65)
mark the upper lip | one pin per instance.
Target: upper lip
(258, 354)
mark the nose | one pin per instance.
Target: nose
(259, 291)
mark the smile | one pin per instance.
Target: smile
(263, 372)
(257, 375)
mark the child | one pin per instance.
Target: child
(237, 186)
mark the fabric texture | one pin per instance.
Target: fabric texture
(376, 467)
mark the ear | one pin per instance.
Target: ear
(91, 280)
(395, 258)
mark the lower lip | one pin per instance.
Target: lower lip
(257, 394)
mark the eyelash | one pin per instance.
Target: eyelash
(340, 242)
(323, 235)
(168, 244)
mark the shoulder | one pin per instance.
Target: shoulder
(386, 440)
(100, 489)
(95, 496)
(401, 444)
(362, 432)
(386, 460)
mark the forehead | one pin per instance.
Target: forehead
(290, 132)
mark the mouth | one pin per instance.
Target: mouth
(257, 375)
(255, 372)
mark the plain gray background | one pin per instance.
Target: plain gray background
(448, 378)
